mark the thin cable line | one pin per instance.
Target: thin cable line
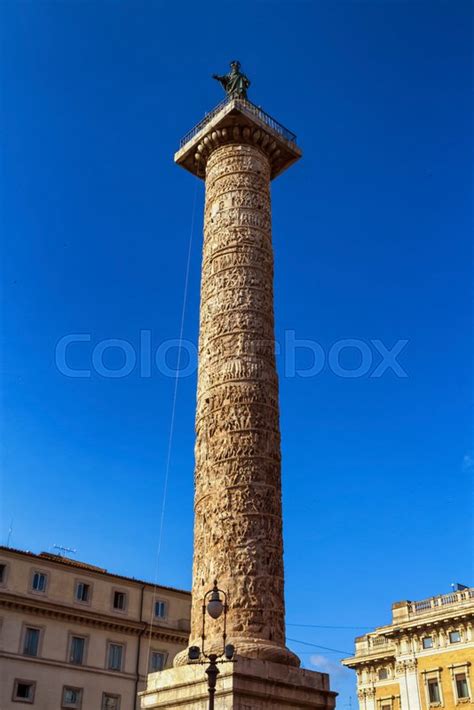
(305, 653)
(173, 413)
(325, 648)
(319, 626)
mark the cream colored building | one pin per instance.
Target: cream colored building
(422, 660)
(76, 636)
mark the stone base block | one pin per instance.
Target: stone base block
(248, 684)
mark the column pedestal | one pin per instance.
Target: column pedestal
(248, 684)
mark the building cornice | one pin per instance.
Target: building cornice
(70, 666)
(376, 659)
(64, 563)
(456, 616)
(369, 659)
(90, 618)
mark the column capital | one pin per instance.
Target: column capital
(238, 121)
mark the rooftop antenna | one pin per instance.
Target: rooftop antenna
(63, 550)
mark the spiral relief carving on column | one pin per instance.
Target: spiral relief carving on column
(238, 521)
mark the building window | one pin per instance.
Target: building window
(24, 691)
(39, 581)
(454, 636)
(77, 650)
(3, 573)
(115, 657)
(72, 697)
(433, 692)
(462, 688)
(83, 592)
(383, 674)
(157, 661)
(110, 702)
(427, 642)
(31, 641)
(120, 601)
(160, 610)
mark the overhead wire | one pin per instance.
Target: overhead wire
(321, 626)
(324, 648)
(172, 418)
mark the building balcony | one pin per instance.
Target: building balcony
(374, 646)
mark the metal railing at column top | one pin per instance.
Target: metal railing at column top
(248, 107)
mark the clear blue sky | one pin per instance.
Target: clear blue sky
(372, 241)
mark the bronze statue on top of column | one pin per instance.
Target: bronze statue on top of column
(235, 83)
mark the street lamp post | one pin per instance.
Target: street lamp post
(213, 605)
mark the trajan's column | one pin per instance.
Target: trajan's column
(238, 149)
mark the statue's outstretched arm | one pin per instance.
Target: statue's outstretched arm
(223, 80)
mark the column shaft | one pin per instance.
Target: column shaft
(238, 520)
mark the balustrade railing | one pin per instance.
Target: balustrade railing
(247, 107)
(426, 605)
(369, 645)
(380, 641)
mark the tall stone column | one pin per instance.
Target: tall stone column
(238, 150)
(238, 521)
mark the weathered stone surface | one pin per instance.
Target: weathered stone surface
(249, 684)
(238, 526)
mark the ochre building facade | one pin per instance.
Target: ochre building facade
(422, 660)
(75, 636)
